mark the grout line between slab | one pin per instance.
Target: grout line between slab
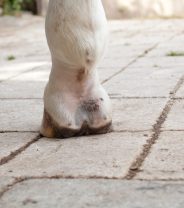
(61, 177)
(157, 129)
(140, 56)
(13, 154)
(8, 131)
(9, 186)
(130, 63)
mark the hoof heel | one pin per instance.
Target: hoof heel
(51, 129)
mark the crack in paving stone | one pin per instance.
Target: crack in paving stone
(9, 131)
(132, 131)
(140, 56)
(136, 165)
(22, 179)
(10, 186)
(172, 130)
(178, 98)
(130, 63)
(61, 177)
(13, 154)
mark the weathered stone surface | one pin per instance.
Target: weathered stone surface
(4, 182)
(180, 93)
(10, 70)
(94, 193)
(136, 114)
(11, 142)
(106, 72)
(166, 158)
(107, 155)
(135, 109)
(128, 114)
(20, 115)
(22, 89)
(144, 82)
(162, 62)
(175, 120)
(39, 74)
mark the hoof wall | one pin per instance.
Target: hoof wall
(51, 129)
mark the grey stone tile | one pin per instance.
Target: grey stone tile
(144, 82)
(20, 115)
(4, 182)
(180, 93)
(10, 70)
(128, 114)
(136, 114)
(22, 89)
(107, 155)
(166, 158)
(11, 142)
(175, 119)
(94, 193)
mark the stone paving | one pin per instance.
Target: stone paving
(139, 165)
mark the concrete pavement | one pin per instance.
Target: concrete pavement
(140, 164)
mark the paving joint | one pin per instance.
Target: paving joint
(61, 177)
(8, 131)
(13, 154)
(136, 165)
(10, 186)
(131, 62)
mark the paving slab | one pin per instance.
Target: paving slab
(144, 82)
(95, 156)
(136, 114)
(175, 120)
(11, 69)
(106, 72)
(22, 89)
(40, 74)
(16, 23)
(94, 193)
(4, 182)
(166, 158)
(128, 114)
(164, 48)
(180, 93)
(165, 61)
(117, 63)
(165, 51)
(20, 115)
(11, 142)
(23, 38)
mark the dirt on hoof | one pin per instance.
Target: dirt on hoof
(51, 129)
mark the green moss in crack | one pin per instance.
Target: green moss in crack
(175, 53)
(11, 58)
